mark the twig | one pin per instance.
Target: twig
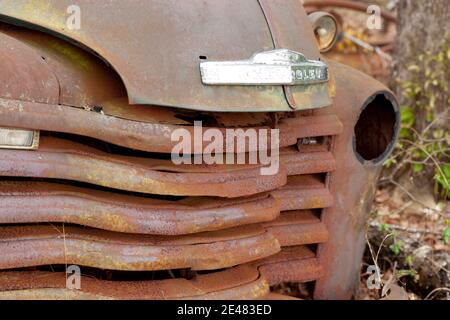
(402, 208)
(171, 274)
(375, 258)
(400, 228)
(436, 290)
(381, 245)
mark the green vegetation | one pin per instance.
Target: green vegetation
(426, 147)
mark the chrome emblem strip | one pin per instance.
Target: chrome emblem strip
(275, 67)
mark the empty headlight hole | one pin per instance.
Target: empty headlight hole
(377, 128)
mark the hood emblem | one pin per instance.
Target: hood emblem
(275, 67)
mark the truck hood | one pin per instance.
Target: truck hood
(156, 46)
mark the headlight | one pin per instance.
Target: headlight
(325, 29)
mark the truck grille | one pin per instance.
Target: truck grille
(141, 227)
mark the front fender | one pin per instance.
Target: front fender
(359, 158)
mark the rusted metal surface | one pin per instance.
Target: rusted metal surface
(25, 246)
(81, 78)
(290, 29)
(352, 184)
(303, 192)
(66, 160)
(37, 202)
(287, 254)
(294, 228)
(293, 264)
(120, 127)
(32, 202)
(148, 136)
(309, 159)
(292, 129)
(24, 74)
(85, 81)
(243, 282)
(295, 270)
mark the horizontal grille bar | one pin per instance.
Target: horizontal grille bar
(297, 228)
(292, 264)
(303, 192)
(36, 202)
(243, 282)
(311, 159)
(26, 246)
(292, 129)
(71, 161)
(144, 132)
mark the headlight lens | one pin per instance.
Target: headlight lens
(325, 29)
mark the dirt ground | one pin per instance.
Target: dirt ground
(405, 238)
